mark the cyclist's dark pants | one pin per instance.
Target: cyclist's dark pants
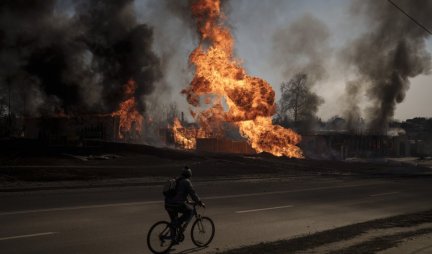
(174, 209)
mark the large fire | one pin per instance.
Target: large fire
(229, 94)
(184, 137)
(130, 118)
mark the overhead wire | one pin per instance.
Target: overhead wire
(409, 16)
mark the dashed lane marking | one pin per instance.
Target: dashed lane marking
(264, 209)
(27, 236)
(384, 194)
(161, 202)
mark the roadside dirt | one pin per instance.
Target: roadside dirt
(25, 162)
(369, 237)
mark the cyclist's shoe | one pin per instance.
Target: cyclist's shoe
(165, 238)
(177, 239)
(174, 240)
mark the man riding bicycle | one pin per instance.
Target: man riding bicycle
(178, 203)
(163, 234)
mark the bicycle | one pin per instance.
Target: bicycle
(160, 240)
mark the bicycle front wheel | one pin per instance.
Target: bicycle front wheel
(159, 237)
(203, 231)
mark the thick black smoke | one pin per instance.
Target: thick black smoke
(388, 54)
(302, 51)
(352, 111)
(75, 60)
(303, 47)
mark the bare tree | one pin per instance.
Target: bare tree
(297, 102)
(293, 94)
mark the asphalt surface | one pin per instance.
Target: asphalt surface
(116, 220)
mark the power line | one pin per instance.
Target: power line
(406, 14)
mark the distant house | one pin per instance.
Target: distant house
(341, 145)
(71, 130)
(221, 145)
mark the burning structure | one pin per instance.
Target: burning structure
(193, 137)
(87, 74)
(124, 125)
(131, 121)
(229, 95)
(71, 131)
(66, 65)
(220, 145)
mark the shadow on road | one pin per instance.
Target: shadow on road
(191, 250)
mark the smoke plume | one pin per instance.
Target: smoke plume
(302, 47)
(388, 54)
(301, 50)
(76, 60)
(352, 111)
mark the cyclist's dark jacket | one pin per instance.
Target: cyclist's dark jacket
(184, 189)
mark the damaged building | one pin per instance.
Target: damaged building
(222, 145)
(342, 145)
(71, 131)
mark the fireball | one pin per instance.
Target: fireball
(231, 94)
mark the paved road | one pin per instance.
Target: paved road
(116, 220)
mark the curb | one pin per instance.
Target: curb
(132, 184)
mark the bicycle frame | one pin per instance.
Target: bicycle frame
(195, 214)
(201, 225)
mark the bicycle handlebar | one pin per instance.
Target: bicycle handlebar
(196, 204)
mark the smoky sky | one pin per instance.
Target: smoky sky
(387, 55)
(325, 26)
(174, 38)
(301, 49)
(75, 55)
(73, 61)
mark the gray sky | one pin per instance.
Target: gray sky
(254, 23)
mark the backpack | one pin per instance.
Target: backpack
(170, 188)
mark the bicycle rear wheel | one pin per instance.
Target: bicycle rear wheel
(202, 231)
(159, 238)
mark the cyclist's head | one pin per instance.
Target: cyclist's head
(186, 172)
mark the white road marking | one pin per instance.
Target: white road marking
(287, 191)
(79, 207)
(26, 236)
(264, 209)
(69, 166)
(384, 194)
(161, 202)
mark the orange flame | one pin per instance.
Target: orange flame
(232, 95)
(183, 137)
(186, 137)
(130, 118)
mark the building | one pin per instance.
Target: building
(341, 145)
(74, 130)
(221, 145)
